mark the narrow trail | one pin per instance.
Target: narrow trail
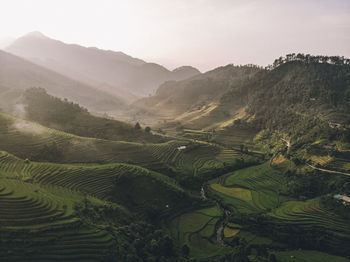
(328, 171)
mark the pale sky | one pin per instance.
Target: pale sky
(201, 33)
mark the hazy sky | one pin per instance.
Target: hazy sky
(202, 33)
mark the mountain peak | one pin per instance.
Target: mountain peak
(36, 34)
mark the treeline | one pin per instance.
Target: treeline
(307, 58)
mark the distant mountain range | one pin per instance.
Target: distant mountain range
(19, 74)
(113, 72)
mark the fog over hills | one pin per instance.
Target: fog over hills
(17, 73)
(113, 72)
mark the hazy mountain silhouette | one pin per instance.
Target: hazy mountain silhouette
(18, 73)
(114, 72)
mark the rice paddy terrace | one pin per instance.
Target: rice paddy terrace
(32, 141)
(105, 182)
(198, 230)
(261, 190)
(40, 224)
(46, 175)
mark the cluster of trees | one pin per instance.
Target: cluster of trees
(138, 127)
(136, 240)
(307, 58)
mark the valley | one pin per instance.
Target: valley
(240, 163)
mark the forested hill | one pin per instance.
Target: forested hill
(192, 99)
(69, 117)
(301, 88)
(303, 101)
(293, 87)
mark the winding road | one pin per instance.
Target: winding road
(328, 171)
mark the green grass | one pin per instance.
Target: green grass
(307, 256)
(230, 232)
(235, 192)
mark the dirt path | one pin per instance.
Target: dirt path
(203, 196)
(220, 233)
(287, 143)
(329, 171)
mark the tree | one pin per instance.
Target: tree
(185, 250)
(148, 129)
(272, 258)
(137, 126)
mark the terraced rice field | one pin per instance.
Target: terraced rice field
(234, 137)
(28, 140)
(266, 185)
(197, 229)
(94, 180)
(252, 189)
(40, 224)
(236, 192)
(339, 164)
(310, 213)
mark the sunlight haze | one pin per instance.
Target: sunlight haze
(201, 33)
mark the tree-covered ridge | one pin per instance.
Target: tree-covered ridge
(69, 117)
(309, 59)
(304, 89)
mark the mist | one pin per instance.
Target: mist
(200, 33)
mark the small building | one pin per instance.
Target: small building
(181, 148)
(343, 198)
